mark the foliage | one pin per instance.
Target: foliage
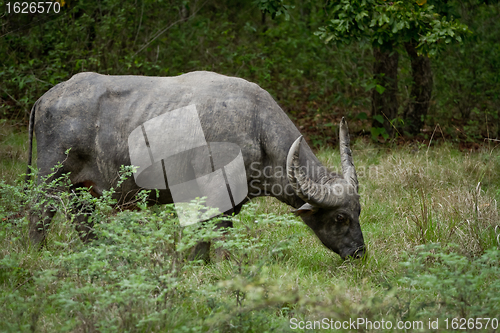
(444, 284)
(273, 7)
(315, 83)
(388, 26)
(170, 38)
(134, 276)
(469, 90)
(385, 24)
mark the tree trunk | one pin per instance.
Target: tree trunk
(421, 91)
(385, 71)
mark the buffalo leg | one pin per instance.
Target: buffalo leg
(41, 217)
(201, 251)
(220, 252)
(85, 227)
(82, 211)
(39, 222)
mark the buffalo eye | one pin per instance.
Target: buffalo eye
(341, 218)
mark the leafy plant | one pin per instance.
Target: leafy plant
(444, 284)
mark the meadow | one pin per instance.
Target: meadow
(430, 222)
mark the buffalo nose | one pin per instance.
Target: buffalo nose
(358, 253)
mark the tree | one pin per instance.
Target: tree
(420, 27)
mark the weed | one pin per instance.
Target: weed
(135, 276)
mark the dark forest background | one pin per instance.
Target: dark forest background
(278, 45)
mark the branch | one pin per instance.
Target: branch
(167, 28)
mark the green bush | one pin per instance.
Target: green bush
(443, 284)
(134, 276)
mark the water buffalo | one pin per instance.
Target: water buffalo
(98, 117)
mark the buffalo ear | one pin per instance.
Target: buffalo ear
(305, 209)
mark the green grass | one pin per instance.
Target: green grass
(429, 227)
(14, 150)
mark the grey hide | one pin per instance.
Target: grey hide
(94, 115)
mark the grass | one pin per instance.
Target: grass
(429, 217)
(14, 150)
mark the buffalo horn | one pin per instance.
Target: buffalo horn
(346, 156)
(316, 194)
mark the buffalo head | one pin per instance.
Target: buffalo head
(332, 205)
